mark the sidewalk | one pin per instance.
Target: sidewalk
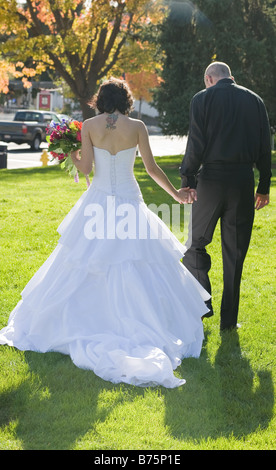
(162, 145)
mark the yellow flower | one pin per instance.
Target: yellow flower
(73, 126)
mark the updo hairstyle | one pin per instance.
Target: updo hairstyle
(114, 94)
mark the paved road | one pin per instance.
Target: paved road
(21, 156)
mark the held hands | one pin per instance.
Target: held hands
(261, 200)
(186, 195)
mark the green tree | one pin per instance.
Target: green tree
(185, 54)
(241, 33)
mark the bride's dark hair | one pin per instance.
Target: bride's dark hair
(113, 94)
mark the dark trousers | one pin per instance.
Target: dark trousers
(225, 192)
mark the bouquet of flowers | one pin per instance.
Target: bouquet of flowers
(63, 138)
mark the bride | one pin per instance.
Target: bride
(118, 301)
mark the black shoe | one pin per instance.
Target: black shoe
(230, 328)
(208, 304)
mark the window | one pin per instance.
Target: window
(27, 116)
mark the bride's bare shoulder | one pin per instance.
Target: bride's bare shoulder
(137, 122)
(93, 121)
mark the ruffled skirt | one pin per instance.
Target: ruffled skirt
(113, 295)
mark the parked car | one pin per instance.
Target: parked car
(65, 117)
(27, 127)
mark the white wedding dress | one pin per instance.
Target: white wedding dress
(113, 294)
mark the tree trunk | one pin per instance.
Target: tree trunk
(140, 108)
(87, 111)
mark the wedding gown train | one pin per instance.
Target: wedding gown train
(113, 294)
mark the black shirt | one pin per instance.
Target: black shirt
(228, 124)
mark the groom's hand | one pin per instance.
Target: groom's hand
(193, 195)
(261, 200)
(187, 195)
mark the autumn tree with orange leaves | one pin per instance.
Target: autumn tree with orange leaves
(141, 84)
(82, 41)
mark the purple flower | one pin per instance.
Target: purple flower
(53, 124)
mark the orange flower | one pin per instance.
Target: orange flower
(78, 124)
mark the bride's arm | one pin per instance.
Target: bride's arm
(85, 162)
(154, 170)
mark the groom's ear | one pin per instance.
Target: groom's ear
(209, 81)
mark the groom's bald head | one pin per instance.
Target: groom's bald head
(215, 72)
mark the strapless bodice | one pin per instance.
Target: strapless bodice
(114, 175)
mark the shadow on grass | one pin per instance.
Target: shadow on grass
(225, 398)
(58, 404)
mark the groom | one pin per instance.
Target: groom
(229, 133)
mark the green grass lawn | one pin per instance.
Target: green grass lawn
(48, 403)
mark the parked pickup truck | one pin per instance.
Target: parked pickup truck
(27, 127)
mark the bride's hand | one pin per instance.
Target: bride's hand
(186, 195)
(182, 195)
(75, 155)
